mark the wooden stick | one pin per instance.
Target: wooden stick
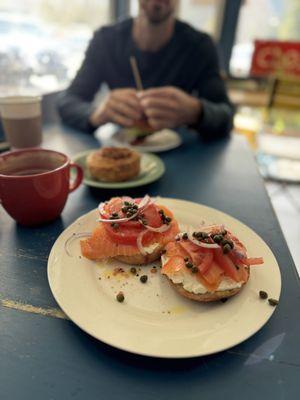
(136, 74)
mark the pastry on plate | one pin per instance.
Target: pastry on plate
(207, 265)
(133, 231)
(114, 164)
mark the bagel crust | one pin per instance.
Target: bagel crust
(140, 259)
(114, 164)
(207, 297)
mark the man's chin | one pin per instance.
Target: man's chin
(157, 19)
(157, 16)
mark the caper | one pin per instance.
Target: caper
(197, 235)
(189, 265)
(204, 235)
(185, 236)
(186, 259)
(223, 232)
(127, 203)
(168, 220)
(226, 249)
(273, 302)
(135, 206)
(120, 297)
(133, 270)
(144, 278)
(217, 238)
(114, 225)
(229, 242)
(195, 270)
(114, 214)
(263, 294)
(161, 212)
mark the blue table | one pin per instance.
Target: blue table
(48, 357)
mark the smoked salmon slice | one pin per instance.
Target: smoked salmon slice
(174, 249)
(174, 264)
(100, 245)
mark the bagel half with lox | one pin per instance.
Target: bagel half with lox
(133, 231)
(207, 265)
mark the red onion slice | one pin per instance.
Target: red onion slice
(160, 229)
(210, 228)
(75, 236)
(205, 245)
(125, 219)
(139, 243)
(144, 202)
(102, 212)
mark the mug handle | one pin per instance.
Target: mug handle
(78, 179)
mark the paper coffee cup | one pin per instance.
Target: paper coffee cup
(21, 119)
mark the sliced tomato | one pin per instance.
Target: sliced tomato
(124, 234)
(152, 216)
(252, 261)
(174, 264)
(226, 264)
(114, 205)
(167, 212)
(127, 232)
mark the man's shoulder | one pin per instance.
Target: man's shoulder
(120, 28)
(193, 36)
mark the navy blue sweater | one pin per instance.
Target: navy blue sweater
(188, 61)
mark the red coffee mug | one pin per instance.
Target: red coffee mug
(35, 184)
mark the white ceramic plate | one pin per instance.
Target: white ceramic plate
(157, 142)
(154, 320)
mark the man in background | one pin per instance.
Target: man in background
(179, 71)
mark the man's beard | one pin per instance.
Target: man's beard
(156, 13)
(156, 17)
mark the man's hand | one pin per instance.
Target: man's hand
(121, 106)
(169, 107)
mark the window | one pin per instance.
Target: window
(204, 15)
(42, 42)
(263, 19)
